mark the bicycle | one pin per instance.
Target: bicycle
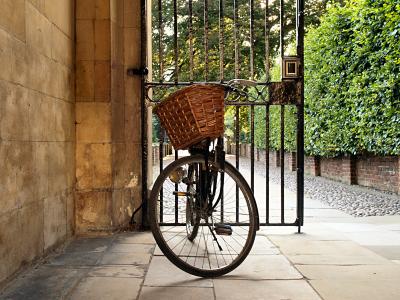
(202, 212)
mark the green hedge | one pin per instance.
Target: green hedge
(352, 84)
(274, 127)
(352, 81)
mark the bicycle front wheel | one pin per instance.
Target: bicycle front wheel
(200, 243)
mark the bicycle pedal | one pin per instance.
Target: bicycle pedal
(222, 229)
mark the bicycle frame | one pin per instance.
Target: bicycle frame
(209, 177)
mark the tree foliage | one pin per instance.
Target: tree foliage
(352, 80)
(314, 9)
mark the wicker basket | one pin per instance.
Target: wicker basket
(193, 114)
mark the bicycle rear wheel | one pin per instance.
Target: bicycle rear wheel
(214, 244)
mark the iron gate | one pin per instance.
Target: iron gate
(230, 49)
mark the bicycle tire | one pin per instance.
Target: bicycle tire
(195, 223)
(165, 247)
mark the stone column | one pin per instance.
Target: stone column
(107, 113)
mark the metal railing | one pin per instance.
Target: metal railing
(168, 75)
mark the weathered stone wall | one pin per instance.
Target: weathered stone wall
(37, 131)
(107, 113)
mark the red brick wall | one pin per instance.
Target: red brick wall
(312, 165)
(290, 161)
(372, 171)
(378, 172)
(338, 168)
(274, 159)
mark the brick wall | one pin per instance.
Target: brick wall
(290, 161)
(37, 129)
(378, 172)
(312, 165)
(274, 158)
(338, 168)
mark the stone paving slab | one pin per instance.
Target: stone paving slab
(263, 246)
(392, 227)
(122, 271)
(361, 272)
(157, 251)
(176, 293)
(310, 234)
(76, 259)
(319, 213)
(132, 248)
(136, 238)
(381, 220)
(340, 289)
(375, 238)
(125, 258)
(257, 267)
(351, 227)
(107, 288)
(163, 273)
(389, 252)
(44, 283)
(266, 289)
(89, 244)
(338, 259)
(344, 248)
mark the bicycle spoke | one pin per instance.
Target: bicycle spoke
(190, 240)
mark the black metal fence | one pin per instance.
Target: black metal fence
(209, 41)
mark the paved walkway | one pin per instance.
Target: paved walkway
(338, 257)
(347, 259)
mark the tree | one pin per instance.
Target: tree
(164, 49)
(314, 9)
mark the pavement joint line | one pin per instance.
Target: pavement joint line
(184, 286)
(145, 274)
(314, 289)
(258, 280)
(84, 275)
(213, 289)
(306, 279)
(334, 265)
(294, 266)
(90, 268)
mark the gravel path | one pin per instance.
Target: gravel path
(353, 199)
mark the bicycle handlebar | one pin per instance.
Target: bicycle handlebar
(244, 82)
(230, 87)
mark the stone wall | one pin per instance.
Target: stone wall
(108, 158)
(37, 131)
